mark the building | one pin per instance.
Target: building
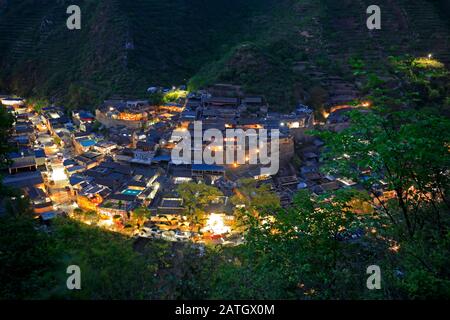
(89, 160)
(24, 179)
(118, 204)
(116, 113)
(26, 160)
(7, 101)
(39, 200)
(83, 142)
(203, 170)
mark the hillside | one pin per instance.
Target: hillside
(289, 50)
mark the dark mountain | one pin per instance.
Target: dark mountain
(281, 48)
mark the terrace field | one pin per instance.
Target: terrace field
(288, 50)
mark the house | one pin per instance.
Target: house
(12, 101)
(23, 128)
(24, 179)
(170, 206)
(117, 113)
(118, 204)
(221, 103)
(54, 118)
(287, 181)
(89, 160)
(181, 173)
(83, 142)
(202, 170)
(105, 147)
(142, 157)
(39, 200)
(249, 123)
(90, 195)
(47, 217)
(226, 90)
(21, 141)
(23, 161)
(40, 157)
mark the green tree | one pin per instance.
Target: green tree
(296, 253)
(26, 258)
(38, 104)
(6, 122)
(196, 196)
(250, 194)
(141, 214)
(402, 146)
(407, 150)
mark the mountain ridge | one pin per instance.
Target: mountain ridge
(283, 49)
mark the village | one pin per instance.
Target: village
(113, 167)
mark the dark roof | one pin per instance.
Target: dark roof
(35, 193)
(84, 115)
(221, 100)
(122, 197)
(48, 215)
(23, 162)
(253, 100)
(146, 172)
(171, 203)
(69, 162)
(249, 121)
(22, 180)
(75, 168)
(39, 153)
(207, 167)
(74, 179)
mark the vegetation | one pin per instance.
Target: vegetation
(196, 197)
(6, 121)
(125, 47)
(320, 247)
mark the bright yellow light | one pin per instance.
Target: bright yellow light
(216, 224)
(106, 223)
(58, 174)
(427, 63)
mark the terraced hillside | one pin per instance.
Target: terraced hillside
(290, 50)
(122, 48)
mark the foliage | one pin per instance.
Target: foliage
(408, 150)
(252, 194)
(37, 104)
(296, 253)
(26, 258)
(122, 48)
(196, 196)
(6, 122)
(174, 96)
(140, 215)
(401, 158)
